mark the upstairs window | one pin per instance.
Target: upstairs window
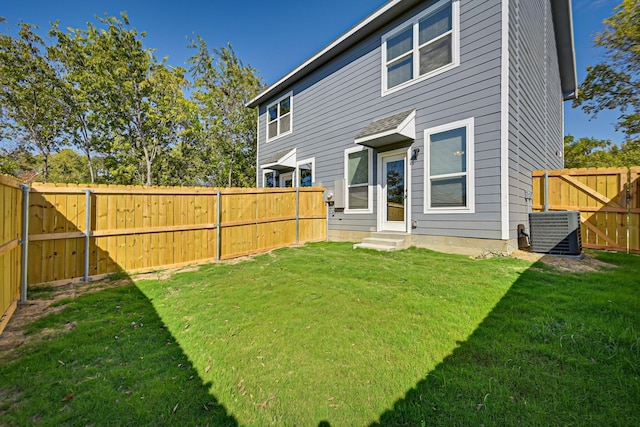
(279, 117)
(423, 47)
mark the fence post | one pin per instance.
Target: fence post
(546, 191)
(87, 233)
(25, 243)
(627, 202)
(218, 226)
(297, 215)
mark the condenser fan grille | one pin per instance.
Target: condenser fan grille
(556, 233)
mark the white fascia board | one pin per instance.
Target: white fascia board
(327, 50)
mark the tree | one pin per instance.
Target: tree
(30, 108)
(614, 84)
(630, 153)
(223, 86)
(587, 152)
(80, 90)
(138, 102)
(68, 165)
(17, 161)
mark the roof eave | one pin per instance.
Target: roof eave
(363, 29)
(563, 25)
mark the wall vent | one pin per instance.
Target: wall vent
(555, 233)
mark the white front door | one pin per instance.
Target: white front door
(286, 179)
(394, 192)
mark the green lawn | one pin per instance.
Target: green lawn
(323, 334)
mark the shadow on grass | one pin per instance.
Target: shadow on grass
(109, 359)
(558, 349)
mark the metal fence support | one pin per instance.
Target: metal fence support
(25, 243)
(297, 215)
(327, 227)
(218, 226)
(546, 191)
(87, 233)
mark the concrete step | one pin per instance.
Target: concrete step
(389, 235)
(384, 241)
(363, 245)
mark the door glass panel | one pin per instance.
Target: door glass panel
(395, 190)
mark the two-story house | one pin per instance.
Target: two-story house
(425, 120)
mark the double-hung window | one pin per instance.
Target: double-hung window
(358, 171)
(279, 117)
(423, 47)
(449, 173)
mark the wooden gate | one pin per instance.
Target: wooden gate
(608, 201)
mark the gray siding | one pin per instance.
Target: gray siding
(535, 101)
(336, 102)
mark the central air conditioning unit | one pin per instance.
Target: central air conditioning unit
(555, 233)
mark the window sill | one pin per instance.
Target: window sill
(417, 80)
(357, 211)
(278, 136)
(449, 211)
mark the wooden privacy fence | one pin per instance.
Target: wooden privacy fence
(132, 229)
(608, 200)
(81, 232)
(10, 253)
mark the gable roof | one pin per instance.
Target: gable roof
(562, 19)
(388, 130)
(282, 160)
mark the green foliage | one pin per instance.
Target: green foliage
(18, 162)
(595, 153)
(614, 84)
(68, 165)
(227, 142)
(31, 110)
(100, 92)
(586, 152)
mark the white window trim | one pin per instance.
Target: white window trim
(468, 124)
(455, 46)
(312, 161)
(369, 185)
(277, 102)
(264, 177)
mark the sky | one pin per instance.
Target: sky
(275, 37)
